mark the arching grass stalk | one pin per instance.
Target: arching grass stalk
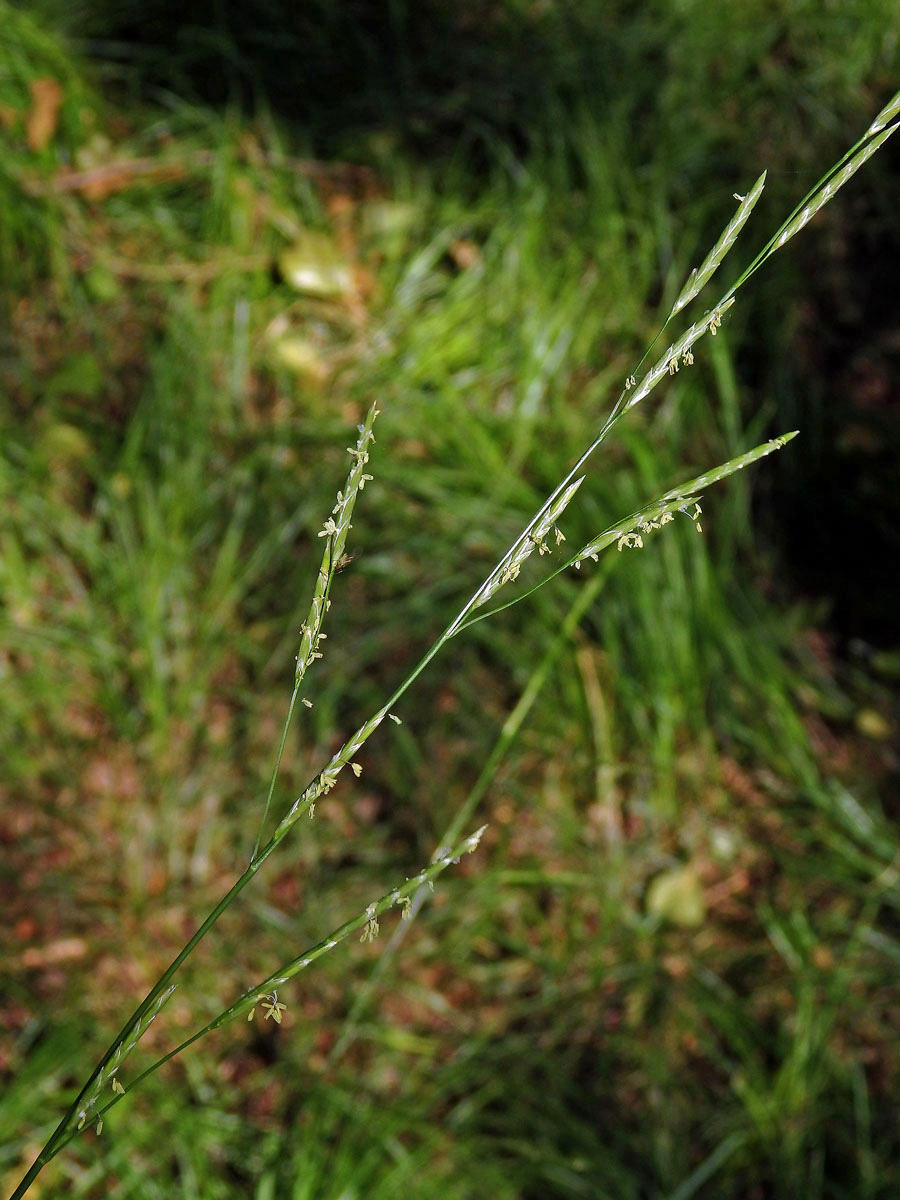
(538, 532)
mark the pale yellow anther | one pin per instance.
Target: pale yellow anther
(272, 1008)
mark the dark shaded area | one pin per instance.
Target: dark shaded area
(434, 72)
(847, 509)
(833, 370)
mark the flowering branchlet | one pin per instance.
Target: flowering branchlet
(335, 531)
(709, 321)
(371, 928)
(534, 537)
(107, 1073)
(328, 776)
(699, 277)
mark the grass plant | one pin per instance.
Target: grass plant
(543, 534)
(174, 430)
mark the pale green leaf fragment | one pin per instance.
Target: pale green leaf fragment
(314, 265)
(676, 896)
(871, 723)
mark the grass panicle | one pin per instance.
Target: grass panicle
(85, 1108)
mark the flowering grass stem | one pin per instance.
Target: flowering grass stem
(537, 534)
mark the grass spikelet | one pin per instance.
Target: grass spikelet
(534, 536)
(709, 321)
(678, 499)
(702, 275)
(832, 185)
(335, 532)
(887, 114)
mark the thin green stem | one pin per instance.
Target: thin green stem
(275, 770)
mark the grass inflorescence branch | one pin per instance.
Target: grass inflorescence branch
(335, 532)
(263, 992)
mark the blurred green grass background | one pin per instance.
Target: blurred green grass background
(671, 969)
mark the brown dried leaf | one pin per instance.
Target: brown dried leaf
(62, 950)
(465, 254)
(40, 124)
